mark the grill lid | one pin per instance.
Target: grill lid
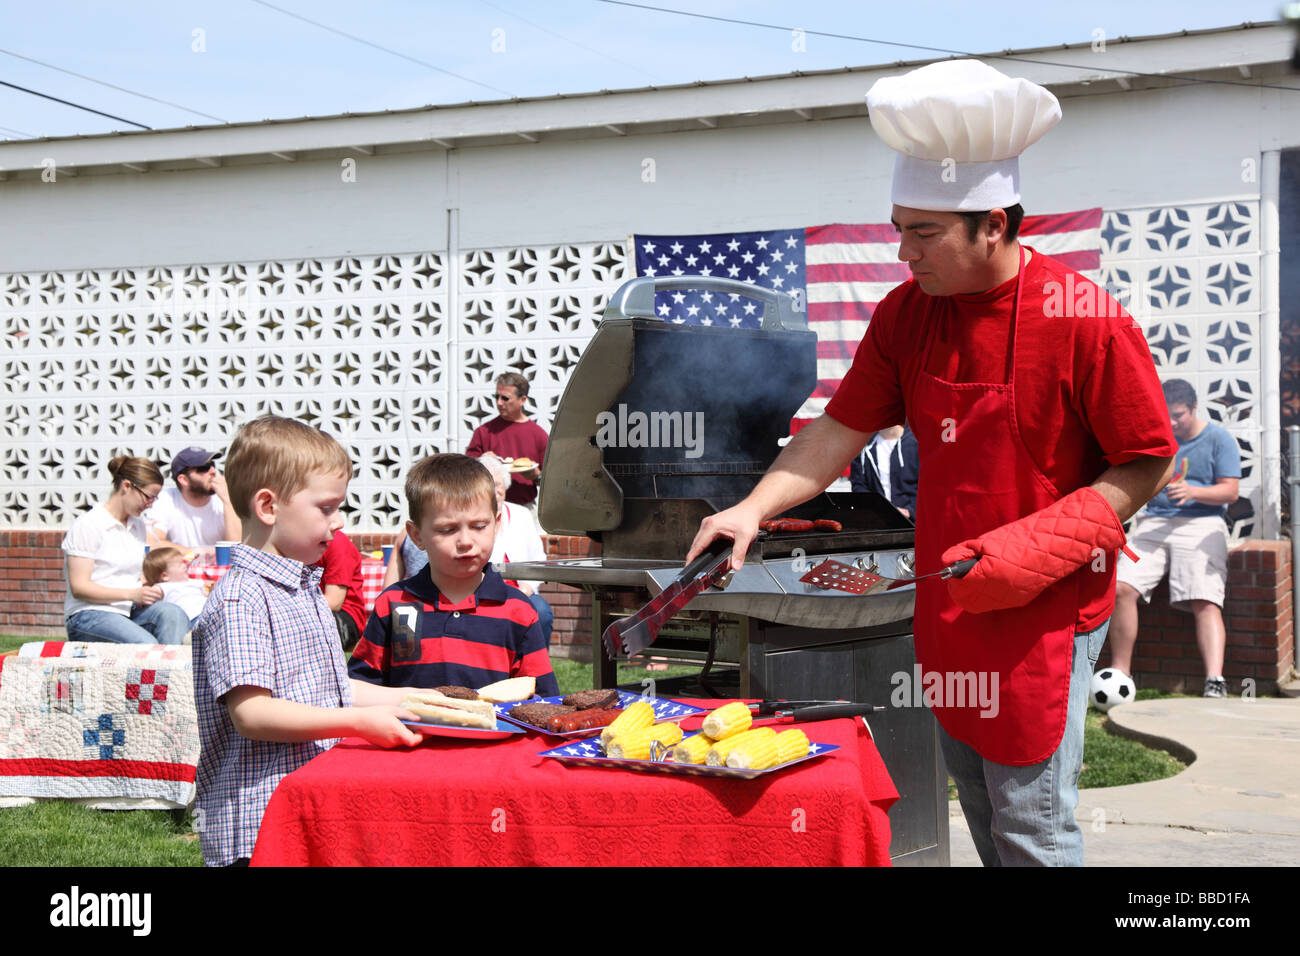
(661, 411)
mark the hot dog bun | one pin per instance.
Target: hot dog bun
(435, 708)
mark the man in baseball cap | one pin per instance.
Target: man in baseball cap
(192, 457)
(195, 514)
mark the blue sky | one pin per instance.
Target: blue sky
(258, 63)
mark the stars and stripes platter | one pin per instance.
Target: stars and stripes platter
(665, 710)
(588, 753)
(504, 730)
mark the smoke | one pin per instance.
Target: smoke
(740, 387)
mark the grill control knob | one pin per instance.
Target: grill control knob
(866, 562)
(907, 564)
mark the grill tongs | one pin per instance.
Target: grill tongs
(633, 634)
(833, 575)
(765, 711)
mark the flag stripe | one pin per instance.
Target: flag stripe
(1062, 222)
(846, 273)
(852, 234)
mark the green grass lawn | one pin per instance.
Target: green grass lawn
(575, 676)
(57, 833)
(1112, 761)
(8, 643)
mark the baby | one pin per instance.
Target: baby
(165, 567)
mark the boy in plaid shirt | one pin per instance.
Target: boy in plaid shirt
(271, 687)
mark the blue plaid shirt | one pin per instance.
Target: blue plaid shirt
(266, 624)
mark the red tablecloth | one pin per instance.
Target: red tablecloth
(450, 802)
(204, 568)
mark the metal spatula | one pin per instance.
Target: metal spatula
(833, 575)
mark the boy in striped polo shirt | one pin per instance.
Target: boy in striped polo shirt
(455, 622)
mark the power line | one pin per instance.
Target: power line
(72, 104)
(7, 129)
(122, 89)
(561, 36)
(384, 49)
(938, 49)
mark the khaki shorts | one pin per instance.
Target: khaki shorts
(1194, 550)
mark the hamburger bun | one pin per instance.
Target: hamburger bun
(509, 691)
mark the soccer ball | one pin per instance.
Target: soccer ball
(1110, 688)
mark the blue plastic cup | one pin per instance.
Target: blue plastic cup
(388, 553)
(223, 553)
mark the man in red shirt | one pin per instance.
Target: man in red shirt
(1040, 426)
(513, 435)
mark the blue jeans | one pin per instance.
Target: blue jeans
(160, 623)
(1024, 816)
(545, 616)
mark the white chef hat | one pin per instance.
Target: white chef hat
(959, 128)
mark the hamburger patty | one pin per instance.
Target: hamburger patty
(460, 693)
(592, 699)
(538, 714)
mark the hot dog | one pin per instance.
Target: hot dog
(826, 524)
(582, 720)
(591, 719)
(785, 524)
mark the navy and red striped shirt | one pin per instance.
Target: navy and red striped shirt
(416, 638)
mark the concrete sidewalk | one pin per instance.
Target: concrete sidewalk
(1236, 804)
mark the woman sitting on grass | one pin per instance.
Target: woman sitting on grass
(105, 549)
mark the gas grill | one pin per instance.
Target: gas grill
(662, 425)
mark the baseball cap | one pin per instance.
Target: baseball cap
(191, 458)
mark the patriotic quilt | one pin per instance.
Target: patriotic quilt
(114, 723)
(838, 273)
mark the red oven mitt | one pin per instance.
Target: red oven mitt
(1021, 559)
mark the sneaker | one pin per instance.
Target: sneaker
(1215, 687)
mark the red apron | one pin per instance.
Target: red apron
(976, 475)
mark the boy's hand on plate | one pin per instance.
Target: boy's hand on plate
(382, 726)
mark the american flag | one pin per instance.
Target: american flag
(841, 272)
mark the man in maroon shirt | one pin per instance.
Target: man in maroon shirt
(513, 435)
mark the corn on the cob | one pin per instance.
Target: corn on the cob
(791, 745)
(692, 749)
(636, 745)
(733, 718)
(636, 716)
(757, 753)
(717, 754)
(762, 753)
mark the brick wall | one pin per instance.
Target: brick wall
(571, 637)
(1257, 616)
(31, 583)
(32, 587)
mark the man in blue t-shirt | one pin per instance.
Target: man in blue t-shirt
(1184, 529)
